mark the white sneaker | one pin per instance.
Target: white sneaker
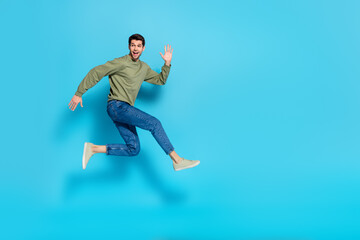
(87, 154)
(184, 164)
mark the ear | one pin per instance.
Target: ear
(129, 46)
(143, 48)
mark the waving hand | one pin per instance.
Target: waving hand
(167, 55)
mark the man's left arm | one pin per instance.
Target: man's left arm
(160, 78)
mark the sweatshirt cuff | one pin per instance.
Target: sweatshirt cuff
(79, 94)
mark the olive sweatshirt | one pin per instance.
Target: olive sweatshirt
(125, 77)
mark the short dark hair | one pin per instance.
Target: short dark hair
(137, 37)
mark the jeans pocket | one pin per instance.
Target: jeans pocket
(111, 111)
(121, 106)
(116, 110)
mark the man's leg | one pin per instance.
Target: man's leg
(131, 138)
(133, 116)
(130, 148)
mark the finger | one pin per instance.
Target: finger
(72, 106)
(168, 48)
(75, 106)
(165, 48)
(172, 50)
(81, 103)
(161, 55)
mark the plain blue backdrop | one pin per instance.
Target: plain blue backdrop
(264, 93)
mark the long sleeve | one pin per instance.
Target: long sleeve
(96, 74)
(158, 78)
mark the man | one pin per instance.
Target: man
(126, 74)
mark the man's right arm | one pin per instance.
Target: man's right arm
(92, 78)
(96, 74)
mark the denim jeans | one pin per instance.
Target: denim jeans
(126, 119)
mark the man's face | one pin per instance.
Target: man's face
(136, 48)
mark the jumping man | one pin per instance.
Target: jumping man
(126, 74)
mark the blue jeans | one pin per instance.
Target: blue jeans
(126, 119)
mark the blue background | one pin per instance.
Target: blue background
(264, 93)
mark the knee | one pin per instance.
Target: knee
(155, 123)
(134, 149)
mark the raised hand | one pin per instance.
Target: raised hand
(167, 55)
(74, 102)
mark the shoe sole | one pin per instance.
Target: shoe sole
(83, 158)
(191, 166)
